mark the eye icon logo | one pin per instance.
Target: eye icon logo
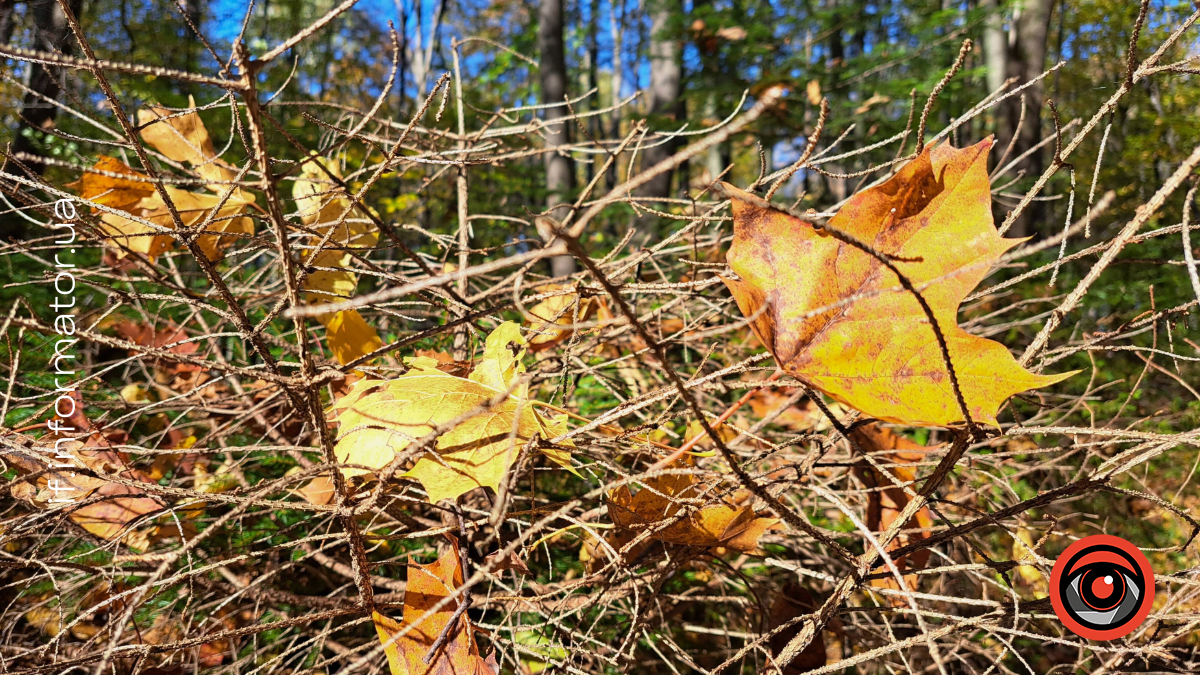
(1102, 587)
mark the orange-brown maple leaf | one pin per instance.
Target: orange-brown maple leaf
(836, 317)
(887, 499)
(659, 504)
(428, 586)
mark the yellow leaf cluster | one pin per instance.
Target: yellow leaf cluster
(484, 419)
(333, 219)
(139, 220)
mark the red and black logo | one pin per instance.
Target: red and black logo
(1102, 587)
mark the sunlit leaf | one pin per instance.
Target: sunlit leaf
(378, 419)
(837, 318)
(428, 586)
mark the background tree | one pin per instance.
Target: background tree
(48, 28)
(560, 170)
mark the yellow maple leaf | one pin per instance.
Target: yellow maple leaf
(350, 337)
(489, 415)
(329, 214)
(834, 316)
(547, 331)
(182, 137)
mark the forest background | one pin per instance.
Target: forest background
(853, 83)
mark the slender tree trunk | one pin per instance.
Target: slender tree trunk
(1026, 60)
(995, 46)
(716, 157)
(593, 80)
(666, 80)
(52, 34)
(995, 61)
(616, 28)
(837, 62)
(8, 20)
(192, 48)
(560, 172)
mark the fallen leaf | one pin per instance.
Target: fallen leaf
(182, 137)
(84, 630)
(97, 504)
(45, 619)
(215, 482)
(172, 339)
(23, 490)
(664, 496)
(143, 208)
(802, 417)
(886, 500)
(839, 320)
(341, 225)
(121, 194)
(1022, 551)
(121, 505)
(378, 419)
(429, 585)
(875, 99)
(446, 362)
(135, 393)
(183, 464)
(320, 490)
(94, 502)
(350, 337)
(694, 429)
(512, 561)
(196, 209)
(793, 602)
(551, 321)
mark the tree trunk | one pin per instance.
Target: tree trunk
(836, 63)
(52, 34)
(593, 80)
(616, 28)
(717, 157)
(8, 18)
(995, 47)
(1027, 43)
(560, 172)
(666, 77)
(193, 11)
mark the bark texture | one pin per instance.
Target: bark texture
(1027, 49)
(560, 170)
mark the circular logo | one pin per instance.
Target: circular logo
(1102, 587)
